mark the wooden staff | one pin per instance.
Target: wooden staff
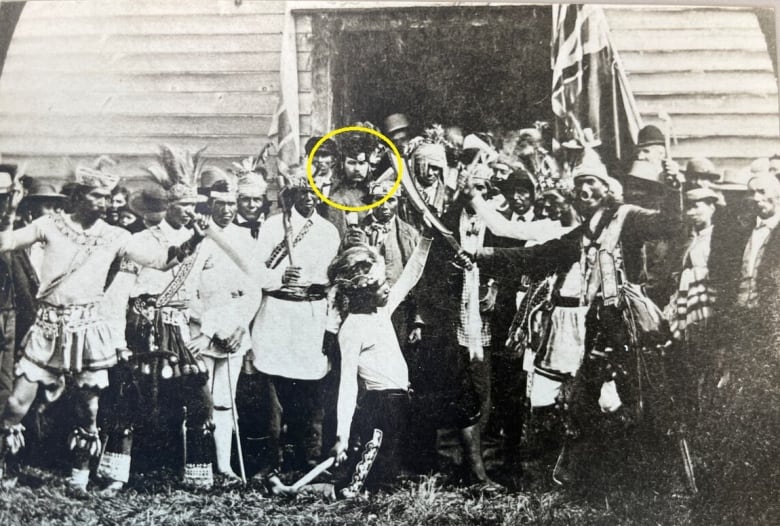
(286, 211)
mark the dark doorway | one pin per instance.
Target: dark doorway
(481, 68)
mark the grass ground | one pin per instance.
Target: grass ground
(41, 498)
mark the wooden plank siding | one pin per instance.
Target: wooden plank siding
(89, 77)
(710, 70)
(85, 78)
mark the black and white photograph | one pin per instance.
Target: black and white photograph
(410, 262)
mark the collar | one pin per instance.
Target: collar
(702, 233)
(167, 229)
(297, 220)
(769, 223)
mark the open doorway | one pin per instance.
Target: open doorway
(484, 68)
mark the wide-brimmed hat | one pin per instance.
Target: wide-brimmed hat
(151, 200)
(734, 180)
(395, 122)
(650, 135)
(41, 190)
(702, 167)
(587, 140)
(703, 194)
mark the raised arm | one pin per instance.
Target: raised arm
(411, 274)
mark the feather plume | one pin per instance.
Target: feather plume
(177, 167)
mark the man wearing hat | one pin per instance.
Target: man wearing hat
(745, 321)
(71, 337)
(456, 309)
(252, 206)
(397, 128)
(293, 253)
(227, 301)
(607, 250)
(428, 166)
(41, 198)
(690, 309)
(173, 374)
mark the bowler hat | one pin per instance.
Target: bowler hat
(395, 122)
(152, 200)
(40, 190)
(702, 167)
(650, 135)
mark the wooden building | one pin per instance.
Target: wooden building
(84, 78)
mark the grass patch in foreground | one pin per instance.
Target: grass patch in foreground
(41, 498)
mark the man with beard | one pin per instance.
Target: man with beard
(606, 249)
(227, 301)
(356, 149)
(294, 251)
(742, 430)
(70, 337)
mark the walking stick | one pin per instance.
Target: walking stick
(234, 413)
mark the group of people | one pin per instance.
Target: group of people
(505, 293)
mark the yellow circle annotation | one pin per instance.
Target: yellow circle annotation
(364, 208)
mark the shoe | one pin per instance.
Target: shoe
(112, 489)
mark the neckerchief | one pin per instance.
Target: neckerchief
(253, 225)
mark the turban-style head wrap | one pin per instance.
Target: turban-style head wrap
(428, 154)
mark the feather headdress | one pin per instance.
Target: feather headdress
(179, 172)
(434, 134)
(256, 165)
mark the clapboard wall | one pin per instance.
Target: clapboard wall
(87, 78)
(84, 78)
(709, 68)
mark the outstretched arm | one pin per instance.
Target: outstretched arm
(500, 226)
(553, 255)
(411, 274)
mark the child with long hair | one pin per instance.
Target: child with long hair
(371, 355)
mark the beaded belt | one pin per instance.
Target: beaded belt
(169, 315)
(69, 318)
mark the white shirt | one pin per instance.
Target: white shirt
(226, 298)
(368, 343)
(758, 238)
(76, 261)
